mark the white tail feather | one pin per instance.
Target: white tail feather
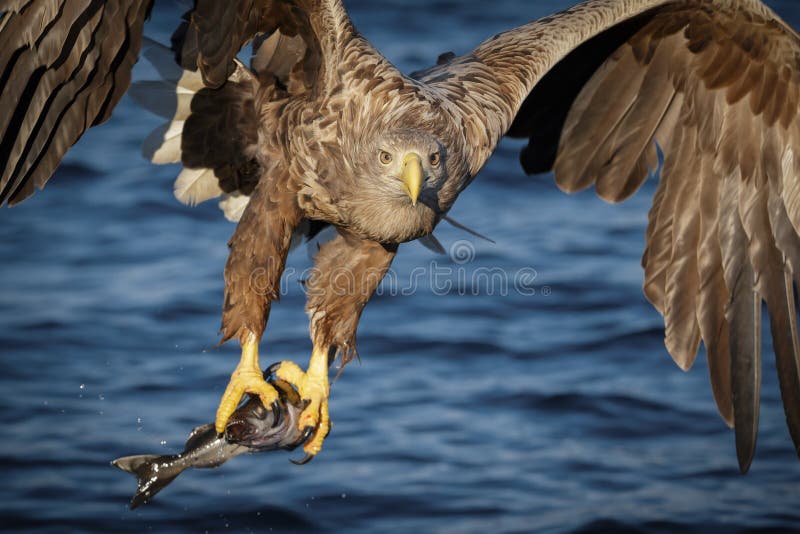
(172, 98)
(163, 98)
(163, 145)
(233, 206)
(194, 186)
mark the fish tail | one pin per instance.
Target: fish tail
(151, 479)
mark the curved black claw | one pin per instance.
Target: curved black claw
(277, 414)
(271, 370)
(304, 461)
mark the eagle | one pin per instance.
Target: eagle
(320, 130)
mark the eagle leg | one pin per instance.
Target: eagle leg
(347, 272)
(258, 250)
(314, 388)
(246, 378)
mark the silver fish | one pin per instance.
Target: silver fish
(252, 428)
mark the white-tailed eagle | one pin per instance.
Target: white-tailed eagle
(322, 130)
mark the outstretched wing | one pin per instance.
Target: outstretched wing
(64, 65)
(597, 90)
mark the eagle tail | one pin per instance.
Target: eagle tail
(217, 160)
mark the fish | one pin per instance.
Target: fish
(251, 429)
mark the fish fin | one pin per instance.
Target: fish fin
(151, 480)
(200, 432)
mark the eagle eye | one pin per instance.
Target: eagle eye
(385, 157)
(435, 159)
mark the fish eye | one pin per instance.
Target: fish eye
(385, 157)
(435, 159)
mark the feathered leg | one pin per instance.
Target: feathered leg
(346, 273)
(258, 251)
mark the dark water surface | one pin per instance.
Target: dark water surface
(551, 408)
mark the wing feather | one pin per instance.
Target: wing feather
(713, 294)
(791, 185)
(215, 121)
(682, 335)
(620, 175)
(744, 316)
(596, 117)
(658, 253)
(715, 85)
(65, 64)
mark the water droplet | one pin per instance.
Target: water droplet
(163, 442)
(344, 495)
(101, 397)
(139, 420)
(83, 386)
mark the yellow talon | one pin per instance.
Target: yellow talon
(314, 445)
(313, 387)
(246, 378)
(290, 372)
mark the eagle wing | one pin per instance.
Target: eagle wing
(65, 64)
(599, 90)
(63, 67)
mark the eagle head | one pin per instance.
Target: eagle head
(401, 174)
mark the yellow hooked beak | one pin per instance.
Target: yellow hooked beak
(412, 176)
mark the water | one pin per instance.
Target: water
(472, 410)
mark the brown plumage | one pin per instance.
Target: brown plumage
(64, 68)
(321, 128)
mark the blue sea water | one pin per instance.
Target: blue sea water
(519, 386)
